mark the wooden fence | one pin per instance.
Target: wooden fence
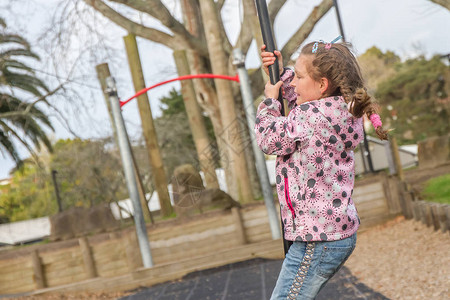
(114, 254)
(432, 214)
(110, 255)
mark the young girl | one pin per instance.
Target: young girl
(315, 163)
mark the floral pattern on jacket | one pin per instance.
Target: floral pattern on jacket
(315, 164)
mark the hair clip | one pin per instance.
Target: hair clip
(315, 47)
(336, 39)
(376, 120)
(328, 46)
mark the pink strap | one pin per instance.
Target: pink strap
(376, 121)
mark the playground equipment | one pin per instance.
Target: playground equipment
(232, 78)
(129, 168)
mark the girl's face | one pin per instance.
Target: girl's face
(306, 88)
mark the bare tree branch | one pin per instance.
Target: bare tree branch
(63, 120)
(245, 35)
(273, 8)
(303, 32)
(443, 3)
(140, 30)
(159, 11)
(220, 4)
(226, 41)
(192, 18)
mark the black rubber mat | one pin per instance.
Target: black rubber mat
(249, 280)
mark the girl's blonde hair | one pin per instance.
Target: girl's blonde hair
(338, 64)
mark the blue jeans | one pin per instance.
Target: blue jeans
(309, 265)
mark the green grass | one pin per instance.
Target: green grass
(173, 215)
(437, 189)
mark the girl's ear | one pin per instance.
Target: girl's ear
(323, 85)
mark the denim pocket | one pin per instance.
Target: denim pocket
(332, 259)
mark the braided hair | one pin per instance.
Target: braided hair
(338, 64)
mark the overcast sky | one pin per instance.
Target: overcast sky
(407, 27)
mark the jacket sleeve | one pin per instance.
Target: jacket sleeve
(289, 92)
(279, 135)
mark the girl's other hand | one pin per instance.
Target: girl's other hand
(268, 58)
(272, 91)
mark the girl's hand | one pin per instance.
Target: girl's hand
(272, 91)
(268, 58)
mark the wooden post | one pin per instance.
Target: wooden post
(398, 163)
(240, 229)
(408, 198)
(38, 272)
(241, 186)
(133, 258)
(89, 264)
(196, 123)
(435, 216)
(404, 196)
(416, 211)
(422, 212)
(148, 128)
(428, 216)
(442, 217)
(394, 191)
(446, 208)
(103, 73)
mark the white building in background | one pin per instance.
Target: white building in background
(24, 231)
(5, 181)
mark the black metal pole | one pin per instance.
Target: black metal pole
(366, 142)
(267, 35)
(362, 149)
(274, 73)
(369, 157)
(55, 184)
(341, 29)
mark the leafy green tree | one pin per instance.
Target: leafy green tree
(88, 173)
(20, 121)
(174, 134)
(29, 195)
(377, 66)
(172, 104)
(415, 99)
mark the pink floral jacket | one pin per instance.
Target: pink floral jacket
(315, 164)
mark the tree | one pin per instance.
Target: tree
(88, 172)
(20, 121)
(415, 99)
(174, 136)
(173, 104)
(29, 195)
(443, 3)
(377, 66)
